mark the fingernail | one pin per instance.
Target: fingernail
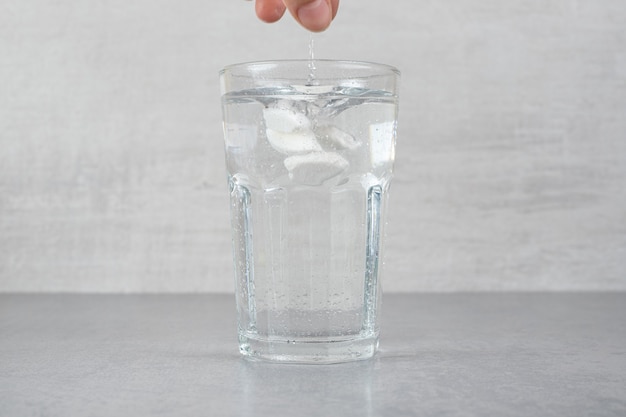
(315, 16)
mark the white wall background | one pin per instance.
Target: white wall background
(511, 169)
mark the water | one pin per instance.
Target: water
(308, 168)
(312, 80)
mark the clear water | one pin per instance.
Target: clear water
(309, 167)
(312, 80)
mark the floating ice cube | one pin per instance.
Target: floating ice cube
(285, 119)
(336, 138)
(293, 142)
(316, 167)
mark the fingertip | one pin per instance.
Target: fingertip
(315, 16)
(269, 11)
(335, 7)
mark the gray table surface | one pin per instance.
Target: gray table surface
(528, 354)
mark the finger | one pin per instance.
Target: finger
(314, 15)
(335, 6)
(269, 10)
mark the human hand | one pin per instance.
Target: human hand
(314, 15)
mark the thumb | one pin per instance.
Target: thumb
(315, 15)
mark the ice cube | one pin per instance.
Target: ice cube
(336, 138)
(284, 119)
(293, 142)
(315, 168)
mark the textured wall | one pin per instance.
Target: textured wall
(511, 168)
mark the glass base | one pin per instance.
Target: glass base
(309, 351)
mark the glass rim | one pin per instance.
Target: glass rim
(385, 69)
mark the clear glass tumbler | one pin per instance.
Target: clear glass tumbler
(310, 149)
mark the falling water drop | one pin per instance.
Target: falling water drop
(311, 80)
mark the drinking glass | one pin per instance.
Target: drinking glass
(310, 149)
